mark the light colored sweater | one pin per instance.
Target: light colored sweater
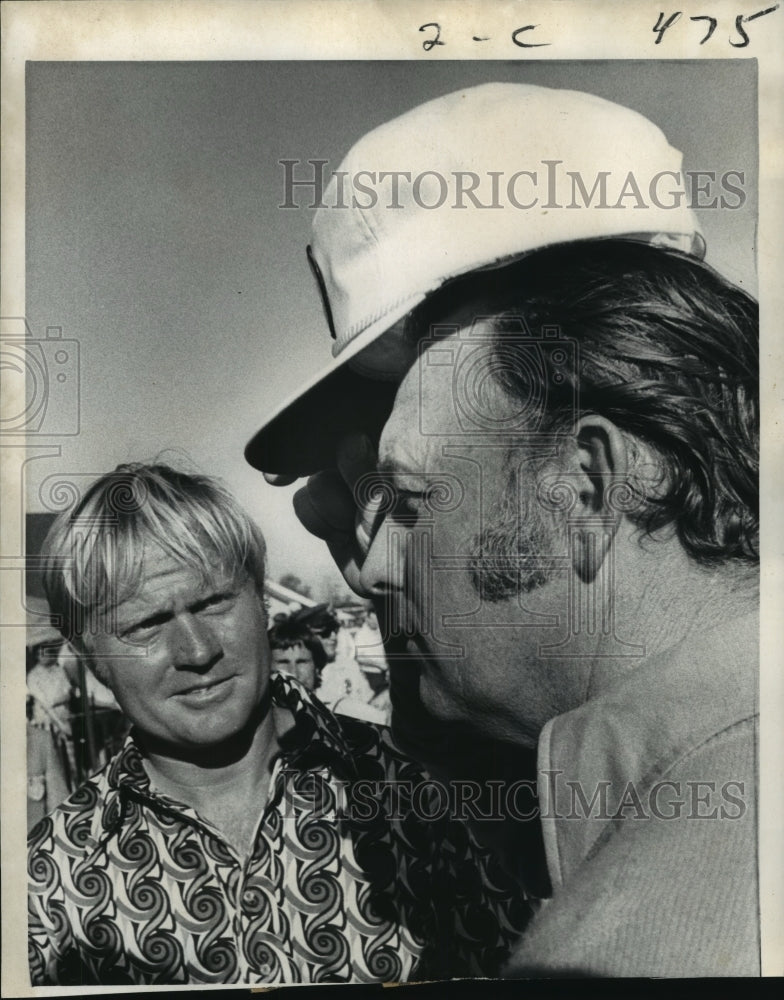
(660, 889)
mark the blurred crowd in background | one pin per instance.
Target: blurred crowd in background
(338, 654)
(75, 726)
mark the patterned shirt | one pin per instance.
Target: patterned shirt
(128, 886)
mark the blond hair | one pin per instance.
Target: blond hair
(94, 553)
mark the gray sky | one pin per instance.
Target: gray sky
(155, 237)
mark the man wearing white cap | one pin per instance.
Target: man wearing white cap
(536, 449)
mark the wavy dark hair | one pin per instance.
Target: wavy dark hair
(289, 632)
(666, 348)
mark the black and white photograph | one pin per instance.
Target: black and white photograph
(381, 473)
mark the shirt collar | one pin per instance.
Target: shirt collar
(316, 739)
(125, 773)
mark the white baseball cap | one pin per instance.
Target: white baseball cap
(471, 180)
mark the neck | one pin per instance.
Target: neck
(664, 600)
(241, 763)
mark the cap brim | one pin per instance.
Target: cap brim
(302, 437)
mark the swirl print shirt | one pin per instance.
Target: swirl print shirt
(345, 882)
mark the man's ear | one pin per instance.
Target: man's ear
(599, 463)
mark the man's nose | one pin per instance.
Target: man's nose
(383, 571)
(195, 645)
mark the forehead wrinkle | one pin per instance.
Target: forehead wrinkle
(169, 585)
(402, 448)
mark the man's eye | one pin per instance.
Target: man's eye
(144, 629)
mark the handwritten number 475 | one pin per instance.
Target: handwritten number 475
(661, 25)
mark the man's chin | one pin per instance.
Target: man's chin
(477, 719)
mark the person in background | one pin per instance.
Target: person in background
(47, 784)
(295, 652)
(322, 625)
(342, 681)
(49, 687)
(51, 764)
